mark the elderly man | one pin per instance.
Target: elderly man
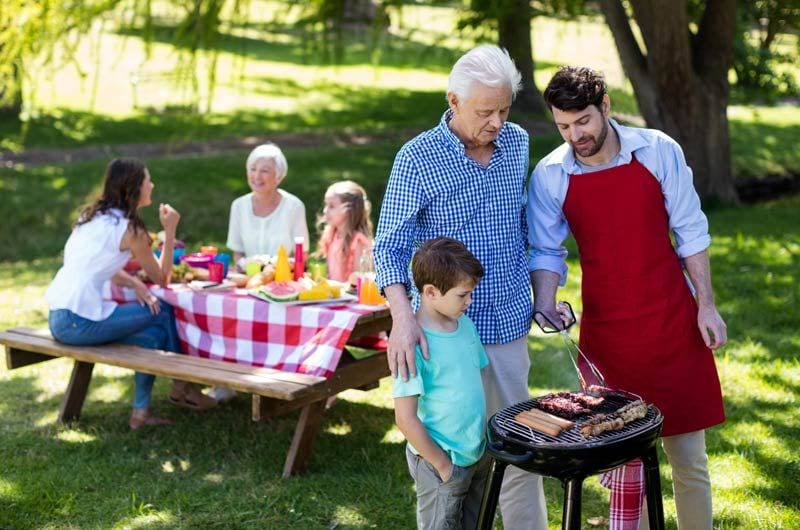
(621, 191)
(465, 179)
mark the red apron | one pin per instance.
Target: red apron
(639, 323)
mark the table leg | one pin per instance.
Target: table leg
(78, 385)
(571, 519)
(305, 432)
(652, 479)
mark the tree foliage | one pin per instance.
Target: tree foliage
(36, 31)
(756, 59)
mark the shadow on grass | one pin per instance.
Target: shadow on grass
(207, 466)
(760, 148)
(346, 108)
(201, 188)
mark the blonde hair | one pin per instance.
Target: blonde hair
(355, 201)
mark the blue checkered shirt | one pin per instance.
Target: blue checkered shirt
(436, 190)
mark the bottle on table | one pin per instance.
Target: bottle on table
(299, 258)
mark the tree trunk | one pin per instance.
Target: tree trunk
(681, 84)
(11, 93)
(514, 28)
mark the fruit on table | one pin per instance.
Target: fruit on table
(321, 291)
(281, 291)
(282, 271)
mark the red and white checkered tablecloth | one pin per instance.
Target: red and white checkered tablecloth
(235, 327)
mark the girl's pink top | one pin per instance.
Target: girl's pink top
(340, 269)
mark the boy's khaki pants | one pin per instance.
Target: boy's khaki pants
(447, 505)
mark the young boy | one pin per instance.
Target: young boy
(442, 411)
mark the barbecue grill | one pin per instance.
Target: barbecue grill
(570, 457)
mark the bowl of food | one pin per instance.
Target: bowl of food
(197, 259)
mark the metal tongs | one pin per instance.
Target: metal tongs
(570, 345)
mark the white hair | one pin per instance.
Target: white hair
(271, 152)
(488, 65)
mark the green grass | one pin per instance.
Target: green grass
(218, 469)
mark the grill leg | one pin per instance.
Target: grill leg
(571, 519)
(652, 480)
(491, 495)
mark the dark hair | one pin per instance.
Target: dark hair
(444, 263)
(122, 187)
(575, 88)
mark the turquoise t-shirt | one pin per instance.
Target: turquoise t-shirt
(451, 404)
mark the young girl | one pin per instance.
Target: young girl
(346, 229)
(105, 236)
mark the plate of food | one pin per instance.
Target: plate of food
(296, 293)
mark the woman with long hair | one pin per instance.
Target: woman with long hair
(107, 233)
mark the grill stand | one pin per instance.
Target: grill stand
(573, 486)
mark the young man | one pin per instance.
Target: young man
(621, 191)
(441, 410)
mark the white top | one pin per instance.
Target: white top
(657, 152)
(253, 235)
(91, 258)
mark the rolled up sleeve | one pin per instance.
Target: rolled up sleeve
(686, 218)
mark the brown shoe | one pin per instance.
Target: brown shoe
(144, 418)
(187, 395)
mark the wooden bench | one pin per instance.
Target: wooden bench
(274, 392)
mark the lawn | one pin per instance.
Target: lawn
(220, 470)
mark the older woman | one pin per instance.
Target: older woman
(267, 217)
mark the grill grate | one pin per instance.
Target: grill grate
(507, 426)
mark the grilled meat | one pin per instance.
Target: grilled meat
(600, 423)
(568, 404)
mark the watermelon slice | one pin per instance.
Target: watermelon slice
(281, 291)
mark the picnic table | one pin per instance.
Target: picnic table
(288, 357)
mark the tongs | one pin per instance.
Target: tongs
(570, 345)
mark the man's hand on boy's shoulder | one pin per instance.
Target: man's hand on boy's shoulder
(401, 353)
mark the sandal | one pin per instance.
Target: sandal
(144, 418)
(184, 394)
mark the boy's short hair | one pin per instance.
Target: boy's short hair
(575, 88)
(444, 263)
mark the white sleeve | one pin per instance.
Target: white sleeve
(235, 241)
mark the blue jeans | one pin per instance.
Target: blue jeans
(130, 323)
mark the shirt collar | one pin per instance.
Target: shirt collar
(630, 140)
(454, 141)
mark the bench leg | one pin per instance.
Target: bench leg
(76, 392)
(305, 432)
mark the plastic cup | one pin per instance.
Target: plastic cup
(209, 250)
(215, 271)
(252, 268)
(177, 253)
(225, 259)
(318, 270)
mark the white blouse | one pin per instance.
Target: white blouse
(253, 235)
(91, 258)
